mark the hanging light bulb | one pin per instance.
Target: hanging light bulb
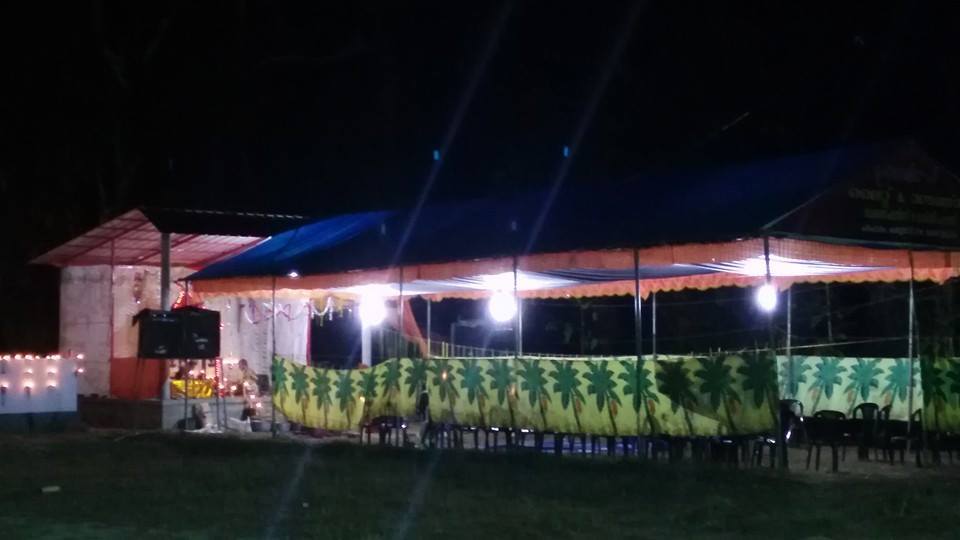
(766, 297)
(502, 306)
(372, 310)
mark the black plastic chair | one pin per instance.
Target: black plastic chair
(387, 428)
(862, 429)
(826, 428)
(792, 428)
(898, 436)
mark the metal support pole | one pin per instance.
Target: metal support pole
(781, 433)
(911, 350)
(399, 315)
(790, 381)
(518, 327)
(637, 307)
(653, 325)
(273, 355)
(429, 327)
(826, 289)
(164, 271)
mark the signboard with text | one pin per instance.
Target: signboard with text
(903, 199)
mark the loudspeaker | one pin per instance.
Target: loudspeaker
(201, 332)
(192, 333)
(161, 334)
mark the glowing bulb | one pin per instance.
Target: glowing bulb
(52, 371)
(766, 298)
(233, 388)
(502, 306)
(28, 357)
(51, 384)
(293, 274)
(443, 375)
(79, 370)
(28, 384)
(372, 310)
(79, 357)
(55, 357)
(18, 357)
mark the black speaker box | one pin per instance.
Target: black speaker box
(182, 333)
(161, 334)
(201, 332)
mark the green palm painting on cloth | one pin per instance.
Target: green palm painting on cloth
(567, 384)
(301, 389)
(792, 375)
(344, 394)
(863, 378)
(368, 392)
(534, 382)
(471, 381)
(602, 385)
(416, 378)
(279, 374)
(321, 391)
(826, 376)
(898, 382)
(390, 384)
(444, 379)
(502, 380)
(674, 382)
(759, 374)
(639, 383)
(717, 383)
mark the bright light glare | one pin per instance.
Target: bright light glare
(502, 306)
(293, 274)
(372, 310)
(766, 297)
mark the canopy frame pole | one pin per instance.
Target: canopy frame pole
(790, 339)
(911, 349)
(771, 348)
(399, 338)
(429, 327)
(653, 324)
(273, 355)
(164, 271)
(518, 326)
(637, 306)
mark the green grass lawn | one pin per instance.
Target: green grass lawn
(167, 486)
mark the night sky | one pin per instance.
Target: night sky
(317, 108)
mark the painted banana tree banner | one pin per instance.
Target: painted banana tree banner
(722, 394)
(840, 384)
(607, 396)
(340, 400)
(940, 383)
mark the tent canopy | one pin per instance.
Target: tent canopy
(869, 212)
(197, 237)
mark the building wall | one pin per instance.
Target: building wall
(87, 294)
(85, 323)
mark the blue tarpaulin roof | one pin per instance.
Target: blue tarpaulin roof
(716, 205)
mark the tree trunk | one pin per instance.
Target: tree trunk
(730, 425)
(576, 414)
(613, 419)
(686, 417)
(543, 414)
(816, 400)
(483, 420)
